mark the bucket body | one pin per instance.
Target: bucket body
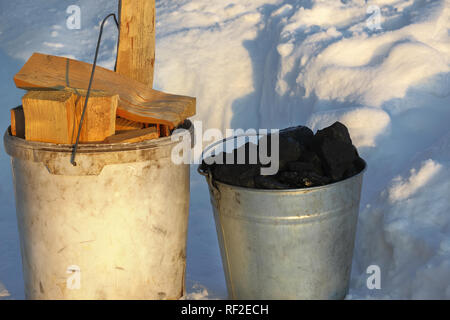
(113, 227)
(292, 244)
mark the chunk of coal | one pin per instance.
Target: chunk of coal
(301, 134)
(334, 147)
(335, 132)
(241, 171)
(301, 167)
(312, 158)
(359, 164)
(237, 174)
(291, 178)
(247, 178)
(306, 160)
(303, 179)
(269, 182)
(337, 157)
(289, 149)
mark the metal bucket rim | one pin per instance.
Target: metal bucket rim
(94, 147)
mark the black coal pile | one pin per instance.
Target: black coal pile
(305, 160)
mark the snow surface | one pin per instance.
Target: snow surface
(276, 63)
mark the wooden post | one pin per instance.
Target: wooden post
(136, 56)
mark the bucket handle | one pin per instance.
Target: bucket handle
(209, 179)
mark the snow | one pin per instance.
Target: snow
(3, 292)
(276, 63)
(402, 189)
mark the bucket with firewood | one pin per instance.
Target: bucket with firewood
(286, 234)
(102, 210)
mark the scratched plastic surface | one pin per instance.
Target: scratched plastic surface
(118, 220)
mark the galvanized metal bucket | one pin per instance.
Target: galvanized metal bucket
(289, 244)
(113, 227)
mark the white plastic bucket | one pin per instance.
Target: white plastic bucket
(113, 227)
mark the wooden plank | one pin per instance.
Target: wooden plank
(47, 115)
(100, 118)
(18, 122)
(136, 54)
(54, 116)
(136, 101)
(134, 136)
(127, 125)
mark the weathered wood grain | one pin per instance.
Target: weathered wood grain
(136, 54)
(100, 118)
(48, 116)
(137, 102)
(127, 125)
(134, 136)
(54, 116)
